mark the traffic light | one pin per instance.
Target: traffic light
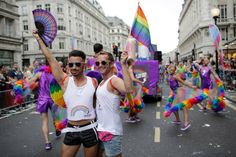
(158, 55)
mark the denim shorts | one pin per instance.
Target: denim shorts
(112, 147)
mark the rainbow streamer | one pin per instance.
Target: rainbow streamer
(140, 29)
(188, 103)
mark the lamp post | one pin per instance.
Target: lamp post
(215, 12)
(23, 51)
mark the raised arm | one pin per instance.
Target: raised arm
(56, 69)
(125, 85)
(196, 65)
(184, 83)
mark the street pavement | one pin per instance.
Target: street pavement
(211, 134)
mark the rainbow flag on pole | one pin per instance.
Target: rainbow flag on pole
(215, 35)
(140, 29)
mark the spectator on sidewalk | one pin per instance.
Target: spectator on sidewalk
(15, 74)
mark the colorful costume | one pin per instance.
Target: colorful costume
(182, 97)
(205, 74)
(44, 99)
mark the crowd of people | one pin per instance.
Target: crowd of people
(93, 105)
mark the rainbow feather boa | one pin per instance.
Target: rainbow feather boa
(19, 92)
(135, 105)
(218, 103)
(186, 103)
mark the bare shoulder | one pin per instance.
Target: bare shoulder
(116, 80)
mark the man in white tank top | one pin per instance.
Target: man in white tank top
(78, 92)
(108, 103)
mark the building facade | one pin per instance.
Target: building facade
(81, 23)
(10, 40)
(119, 32)
(195, 17)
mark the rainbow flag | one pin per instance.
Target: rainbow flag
(140, 29)
(215, 35)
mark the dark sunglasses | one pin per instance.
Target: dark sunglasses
(102, 63)
(77, 64)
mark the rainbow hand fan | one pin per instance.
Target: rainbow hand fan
(46, 25)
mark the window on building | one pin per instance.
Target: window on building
(223, 13)
(9, 27)
(234, 12)
(24, 10)
(80, 29)
(224, 34)
(61, 44)
(47, 7)
(39, 6)
(69, 25)
(78, 46)
(81, 16)
(234, 28)
(26, 46)
(69, 10)
(25, 25)
(75, 13)
(59, 8)
(60, 25)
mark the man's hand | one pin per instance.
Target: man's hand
(35, 34)
(124, 57)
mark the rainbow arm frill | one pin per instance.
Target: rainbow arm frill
(57, 94)
(134, 104)
(218, 103)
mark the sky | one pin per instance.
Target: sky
(162, 17)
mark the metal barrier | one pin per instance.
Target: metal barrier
(7, 101)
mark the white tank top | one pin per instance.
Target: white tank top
(108, 110)
(79, 100)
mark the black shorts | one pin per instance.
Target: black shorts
(88, 137)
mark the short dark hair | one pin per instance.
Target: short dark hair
(110, 56)
(77, 53)
(97, 48)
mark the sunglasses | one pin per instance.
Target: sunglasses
(77, 64)
(102, 63)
